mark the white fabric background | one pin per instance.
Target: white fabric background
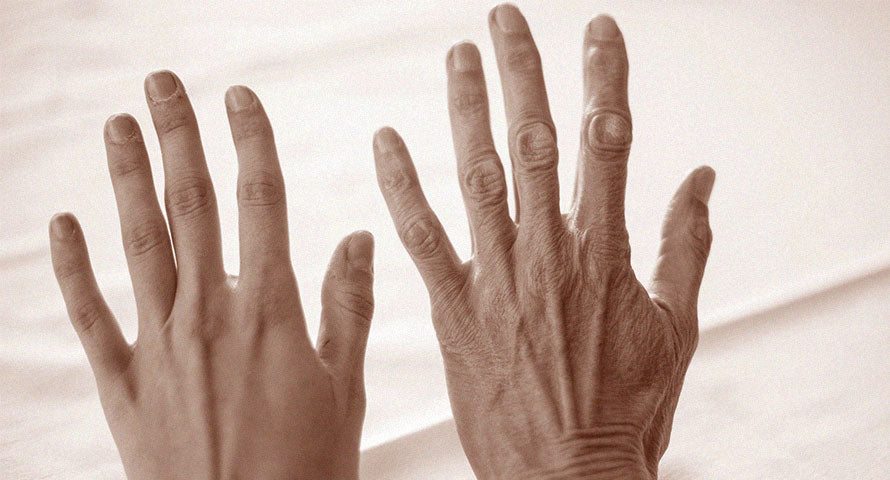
(789, 103)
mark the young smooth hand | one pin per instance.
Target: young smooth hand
(559, 362)
(223, 381)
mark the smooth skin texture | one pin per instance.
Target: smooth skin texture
(559, 363)
(223, 381)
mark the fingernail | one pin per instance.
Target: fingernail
(386, 140)
(704, 183)
(603, 27)
(239, 98)
(121, 128)
(161, 85)
(464, 57)
(62, 226)
(509, 19)
(360, 252)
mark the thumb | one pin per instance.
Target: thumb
(347, 301)
(685, 243)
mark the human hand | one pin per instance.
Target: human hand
(559, 363)
(223, 381)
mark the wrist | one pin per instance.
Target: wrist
(603, 452)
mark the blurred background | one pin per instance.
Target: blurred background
(789, 102)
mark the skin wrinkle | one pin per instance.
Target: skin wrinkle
(229, 384)
(575, 373)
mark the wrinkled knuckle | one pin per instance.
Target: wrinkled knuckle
(420, 236)
(144, 238)
(357, 303)
(189, 197)
(85, 315)
(127, 165)
(470, 103)
(251, 126)
(607, 134)
(523, 59)
(260, 189)
(173, 123)
(536, 149)
(484, 180)
(396, 180)
(70, 268)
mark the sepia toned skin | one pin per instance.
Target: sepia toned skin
(222, 381)
(559, 363)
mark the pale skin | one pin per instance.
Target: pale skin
(223, 380)
(559, 362)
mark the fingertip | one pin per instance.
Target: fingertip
(603, 28)
(703, 183)
(62, 226)
(507, 18)
(464, 56)
(360, 252)
(121, 128)
(239, 98)
(161, 85)
(386, 139)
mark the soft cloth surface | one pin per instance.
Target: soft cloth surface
(789, 104)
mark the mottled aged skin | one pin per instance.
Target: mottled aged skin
(559, 362)
(223, 381)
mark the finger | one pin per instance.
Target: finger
(262, 209)
(685, 243)
(347, 302)
(415, 222)
(191, 203)
(605, 131)
(143, 229)
(96, 327)
(532, 136)
(479, 168)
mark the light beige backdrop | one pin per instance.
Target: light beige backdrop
(790, 103)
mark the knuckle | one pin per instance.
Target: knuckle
(260, 189)
(357, 303)
(524, 59)
(420, 236)
(484, 179)
(172, 122)
(535, 147)
(396, 180)
(189, 197)
(607, 133)
(251, 126)
(68, 269)
(126, 165)
(85, 315)
(144, 238)
(470, 103)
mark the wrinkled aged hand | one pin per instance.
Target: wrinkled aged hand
(223, 381)
(559, 363)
